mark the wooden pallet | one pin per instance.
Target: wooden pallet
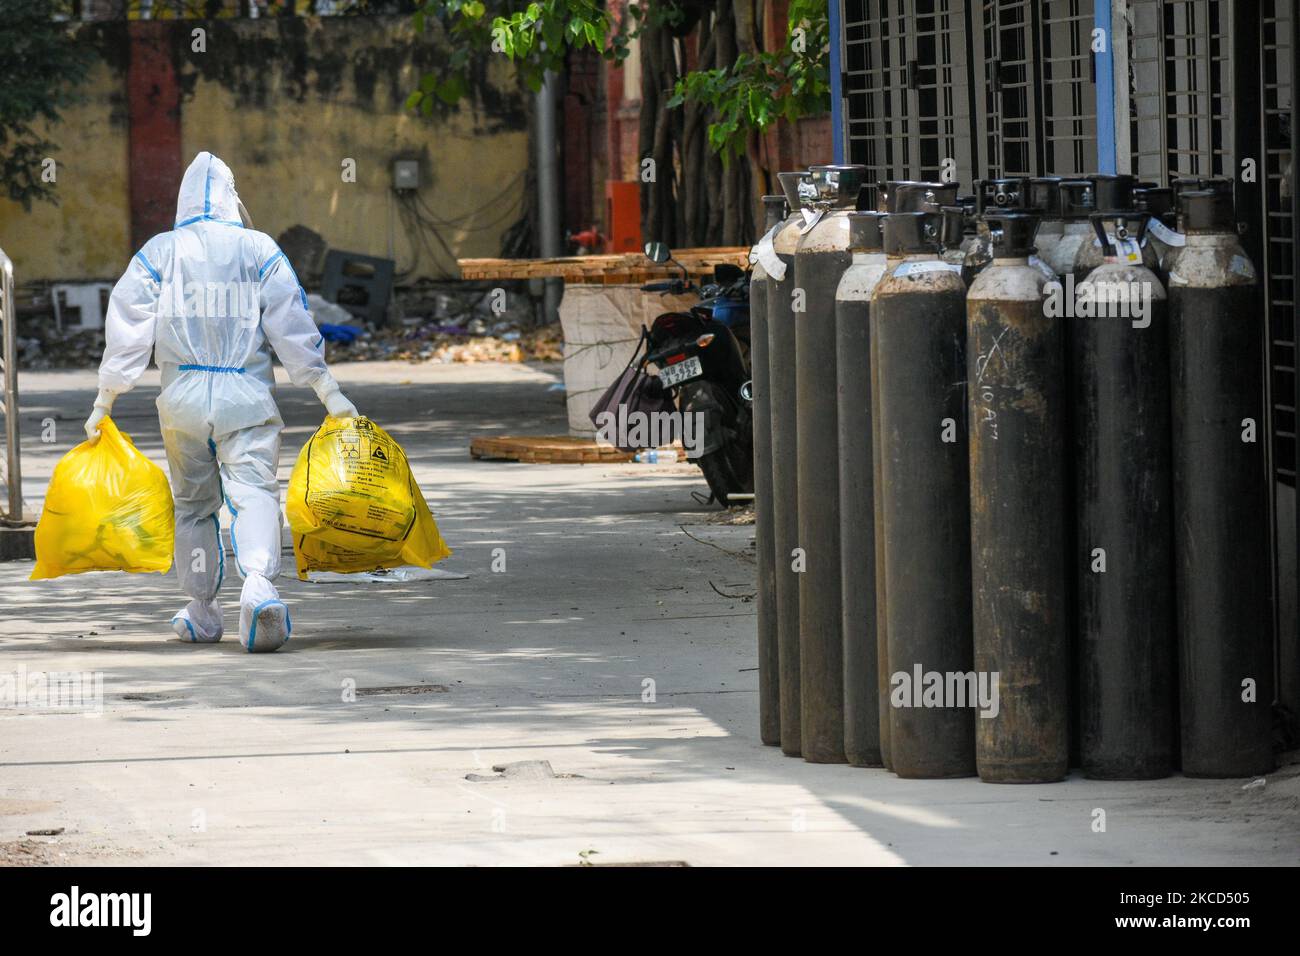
(545, 449)
(552, 449)
(619, 269)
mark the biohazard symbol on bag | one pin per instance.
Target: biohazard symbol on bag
(354, 505)
(108, 508)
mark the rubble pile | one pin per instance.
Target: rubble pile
(48, 348)
(451, 322)
(439, 343)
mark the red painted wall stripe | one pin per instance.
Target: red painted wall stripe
(153, 99)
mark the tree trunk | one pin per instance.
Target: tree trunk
(696, 198)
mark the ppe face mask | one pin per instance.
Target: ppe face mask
(244, 217)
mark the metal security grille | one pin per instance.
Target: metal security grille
(1069, 92)
(1005, 47)
(906, 84)
(1180, 88)
(937, 68)
(1278, 271)
(875, 87)
(1000, 87)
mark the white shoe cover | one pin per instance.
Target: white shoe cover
(198, 622)
(264, 623)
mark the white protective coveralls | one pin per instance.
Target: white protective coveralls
(211, 299)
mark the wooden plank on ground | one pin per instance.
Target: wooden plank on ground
(554, 449)
(544, 449)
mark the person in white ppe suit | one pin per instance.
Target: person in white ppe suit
(211, 299)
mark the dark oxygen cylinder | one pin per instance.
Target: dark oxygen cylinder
(769, 667)
(785, 514)
(1045, 199)
(857, 495)
(1124, 545)
(1111, 194)
(1076, 229)
(1221, 507)
(919, 318)
(1015, 360)
(821, 257)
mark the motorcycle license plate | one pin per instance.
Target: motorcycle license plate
(683, 371)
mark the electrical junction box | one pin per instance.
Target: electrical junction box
(406, 174)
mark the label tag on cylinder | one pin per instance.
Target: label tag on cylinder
(917, 268)
(764, 253)
(810, 219)
(1166, 235)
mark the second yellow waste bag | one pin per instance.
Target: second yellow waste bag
(108, 508)
(354, 505)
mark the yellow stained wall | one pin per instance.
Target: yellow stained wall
(284, 104)
(88, 233)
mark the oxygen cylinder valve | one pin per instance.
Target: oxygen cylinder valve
(912, 233)
(1120, 229)
(1001, 193)
(1013, 233)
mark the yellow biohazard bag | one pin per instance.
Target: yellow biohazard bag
(108, 508)
(354, 505)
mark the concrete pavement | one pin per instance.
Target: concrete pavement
(601, 648)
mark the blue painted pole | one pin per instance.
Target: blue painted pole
(1106, 155)
(836, 18)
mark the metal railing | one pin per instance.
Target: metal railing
(12, 475)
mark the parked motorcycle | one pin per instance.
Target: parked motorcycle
(702, 360)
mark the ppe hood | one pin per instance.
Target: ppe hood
(207, 193)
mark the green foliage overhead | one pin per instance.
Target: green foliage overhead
(535, 37)
(40, 65)
(751, 95)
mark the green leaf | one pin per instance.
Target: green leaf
(413, 100)
(451, 90)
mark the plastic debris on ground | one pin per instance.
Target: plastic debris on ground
(403, 575)
(326, 312)
(342, 334)
(735, 515)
